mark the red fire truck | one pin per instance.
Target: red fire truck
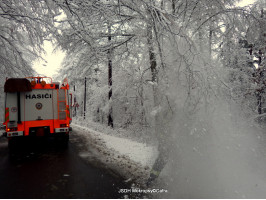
(37, 106)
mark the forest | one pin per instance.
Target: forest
(161, 70)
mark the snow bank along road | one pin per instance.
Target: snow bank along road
(128, 159)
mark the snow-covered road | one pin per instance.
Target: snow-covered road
(43, 168)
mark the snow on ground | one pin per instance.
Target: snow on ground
(133, 132)
(138, 152)
(131, 160)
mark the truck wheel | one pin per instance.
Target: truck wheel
(12, 143)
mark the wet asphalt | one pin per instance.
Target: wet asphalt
(46, 169)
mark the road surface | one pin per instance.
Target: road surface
(43, 169)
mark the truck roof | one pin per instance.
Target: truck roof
(17, 85)
(31, 83)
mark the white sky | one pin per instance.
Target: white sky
(52, 63)
(54, 59)
(245, 2)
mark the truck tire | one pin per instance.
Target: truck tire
(12, 143)
(65, 139)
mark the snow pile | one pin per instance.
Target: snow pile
(131, 160)
(134, 132)
(219, 155)
(138, 152)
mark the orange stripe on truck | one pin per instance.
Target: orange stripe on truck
(67, 111)
(7, 115)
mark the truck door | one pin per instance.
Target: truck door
(11, 107)
(38, 105)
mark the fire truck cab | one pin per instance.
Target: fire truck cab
(37, 106)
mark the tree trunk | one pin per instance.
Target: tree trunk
(173, 7)
(85, 94)
(110, 77)
(200, 34)
(210, 41)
